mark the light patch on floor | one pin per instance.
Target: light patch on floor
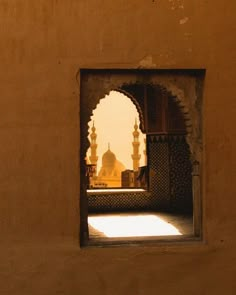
(147, 225)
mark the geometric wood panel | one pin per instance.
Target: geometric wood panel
(158, 162)
(180, 174)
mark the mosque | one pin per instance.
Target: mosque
(113, 173)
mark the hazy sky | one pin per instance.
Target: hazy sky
(114, 119)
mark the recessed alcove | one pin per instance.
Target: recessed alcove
(169, 105)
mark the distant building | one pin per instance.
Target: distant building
(113, 173)
(93, 148)
(129, 178)
(110, 172)
(136, 156)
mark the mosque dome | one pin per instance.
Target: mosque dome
(111, 169)
(108, 159)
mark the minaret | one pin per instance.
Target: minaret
(93, 147)
(135, 143)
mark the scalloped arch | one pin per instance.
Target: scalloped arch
(175, 93)
(182, 89)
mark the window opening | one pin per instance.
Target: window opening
(153, 199)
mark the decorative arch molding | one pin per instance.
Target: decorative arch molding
(173, 94)
(183, 87)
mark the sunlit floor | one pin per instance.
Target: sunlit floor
(138, 225)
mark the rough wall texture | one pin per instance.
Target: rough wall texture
(43, 45)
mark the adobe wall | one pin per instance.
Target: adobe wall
(43, 45)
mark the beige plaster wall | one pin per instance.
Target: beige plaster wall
(43, 44)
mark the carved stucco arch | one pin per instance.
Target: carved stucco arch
(95, 89)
